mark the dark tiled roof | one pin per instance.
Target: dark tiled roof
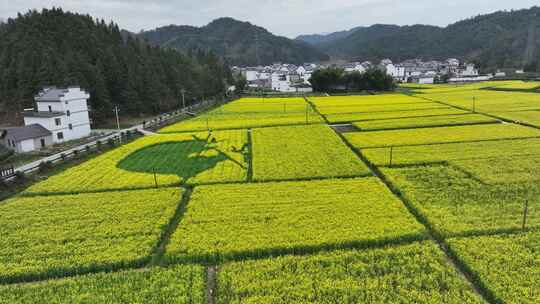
(43, 114)
(51, 94)
(27, 132)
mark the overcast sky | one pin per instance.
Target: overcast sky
(284, 17)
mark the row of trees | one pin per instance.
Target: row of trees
(336, 79)
(59, 48)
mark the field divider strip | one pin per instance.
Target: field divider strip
(211, 284)
(301, 250)
(449, 142)
(188, 185)
(46, 194)
(521, 123)
(66, 272)
(244, 128)
(211, 261)
(159, 250)
(481, 289)
(463, 124)
(314, 108)
(395, 118)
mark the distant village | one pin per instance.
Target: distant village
(295, 78)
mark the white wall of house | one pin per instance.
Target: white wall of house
(74, 123)
(47, 140)
(251, 75)
(307, 77)
(397, 72)
(281, 83)
(304, 90)
(470, 79)
(26, 145)
(469, 71)
(426, 80)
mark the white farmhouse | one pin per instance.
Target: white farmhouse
(26, 139)
(64, 112)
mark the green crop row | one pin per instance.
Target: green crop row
(497, 161)
(177, 285)
(60, 235)
(410, 137)
(415, 273)
(235, 221)
(507, 264)
(457, 204)
(423, 122)
(302, 152)
(250, 113)
(509, 105)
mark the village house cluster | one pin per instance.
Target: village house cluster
(295, 78)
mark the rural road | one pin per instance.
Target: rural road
(36, 163)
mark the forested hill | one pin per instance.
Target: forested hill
(240, 43)
(317, 39)
(501, 39)
(53, 47)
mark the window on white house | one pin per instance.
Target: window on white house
(70, 126)
(68, 113)
(50, 109)
(57, 121)
(67, 102)
(60, 135)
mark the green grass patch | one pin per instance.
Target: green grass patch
(180, 158)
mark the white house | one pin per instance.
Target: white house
(396, 71)
(356, 67)
(26, 139)
(64, 112)
(289, 82)
(469, 71)
(301, 71)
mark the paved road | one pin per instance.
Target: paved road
(78, 148)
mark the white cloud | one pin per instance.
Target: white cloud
(283, 17)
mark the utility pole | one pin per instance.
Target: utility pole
(183, 91)
(116, 110)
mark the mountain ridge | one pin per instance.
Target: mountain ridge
(495, 40)
(239, 42)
